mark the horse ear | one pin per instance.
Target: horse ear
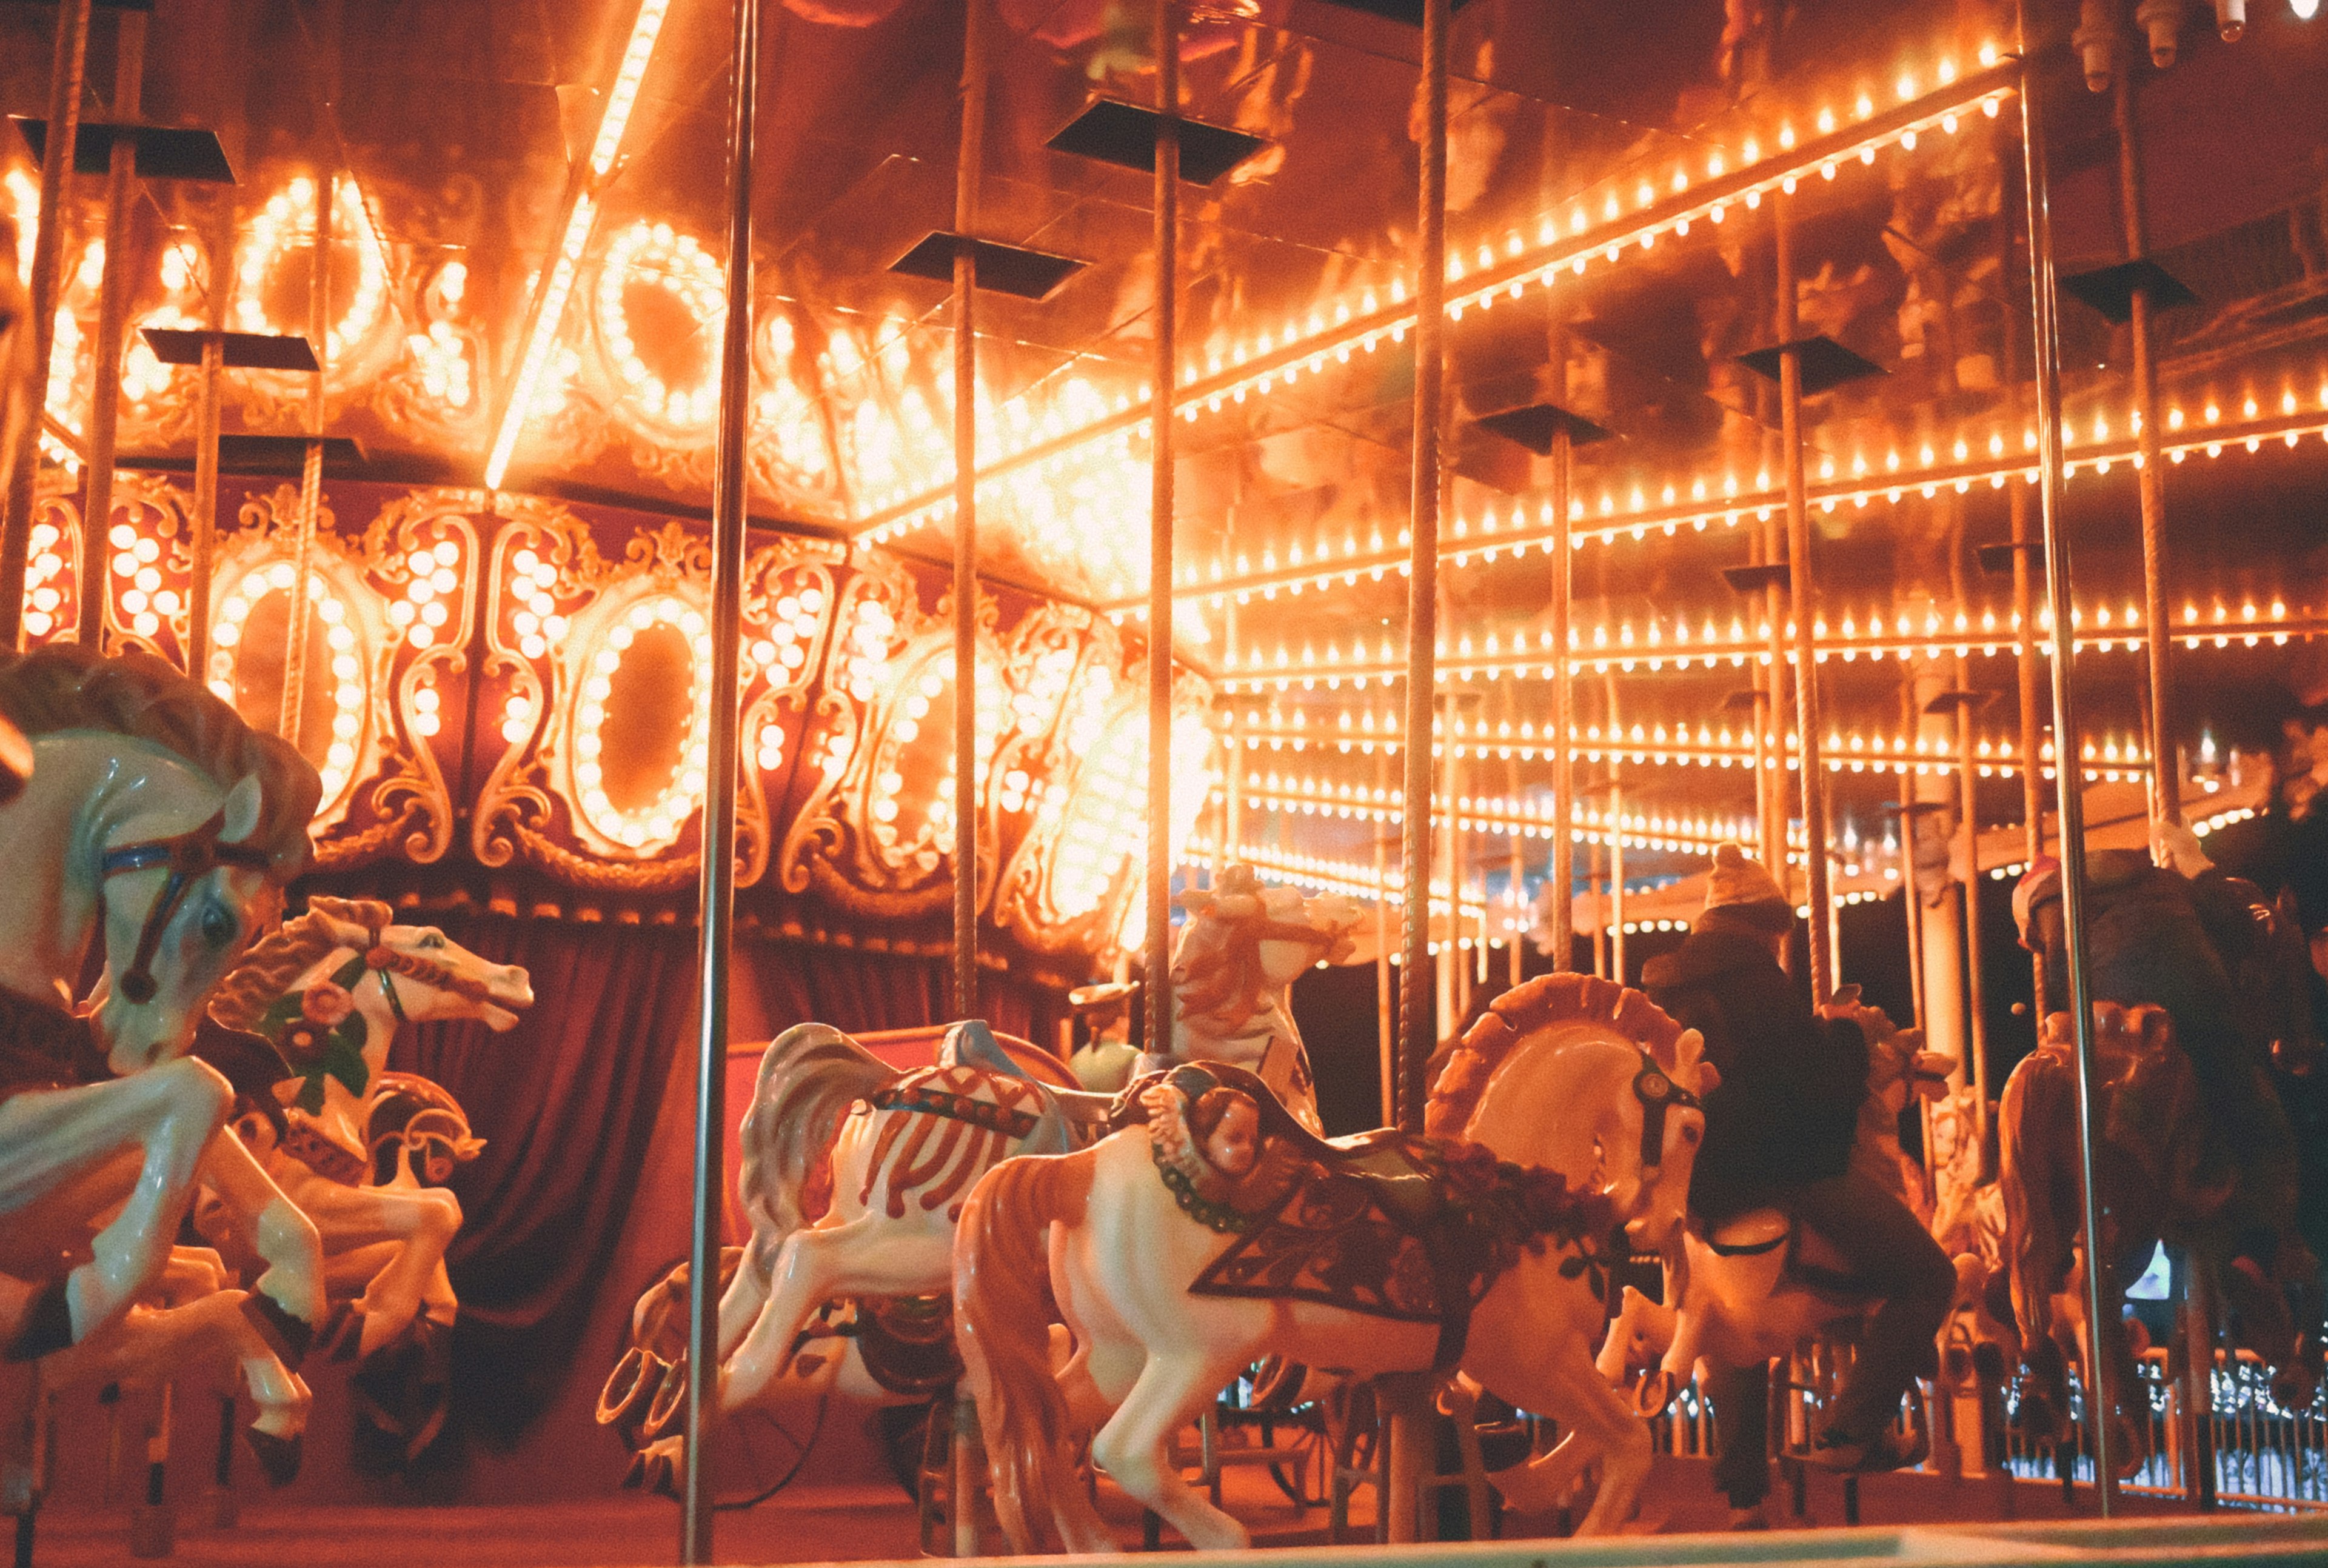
(241, 809)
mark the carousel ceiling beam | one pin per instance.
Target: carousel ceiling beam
(1126, 135)
(1498, 532)
(1533, 265)
(545, 310)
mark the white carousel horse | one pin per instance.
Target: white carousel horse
(1761, 1285)
(1175, 1252)
(1232, 974)
(329, 991)
(834, 1215)
(156, 823)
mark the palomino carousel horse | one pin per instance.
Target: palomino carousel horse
(328, 991)
(1759, 1286)
(2198, 984)
(1222, 1231)
(832, 1215)
(157, 821)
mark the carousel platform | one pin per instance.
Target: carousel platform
(1907, 1519)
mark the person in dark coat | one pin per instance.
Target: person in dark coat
(1779, 1134)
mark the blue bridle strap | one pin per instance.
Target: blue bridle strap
(189, 857)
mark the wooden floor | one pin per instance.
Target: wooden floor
(859, 1524)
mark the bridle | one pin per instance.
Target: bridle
(1654, 1088)
(189, 857)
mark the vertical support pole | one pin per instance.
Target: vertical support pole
(2068, 792)
(717, 911)
(65, 72)
(1563, 710)
(966, 757)
(311, 480)
(1617, 970)
(1803, 590)
(1450, 952)
(205, 520)
(1417, 1027)
(1771, 710)
(1514, 867)
(112, 323)
(2032, 729)
(1975, 979)
(2150, 473)
(1158, 991)
(1410, 1427)
(1386, 1003)
(2198, 1391)
(1233, 795)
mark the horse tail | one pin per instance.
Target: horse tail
(2036, 1120)
(811, 1075)
(1004, 1310)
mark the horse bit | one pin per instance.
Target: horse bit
(1654, 1088)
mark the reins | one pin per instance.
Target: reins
(189, 856)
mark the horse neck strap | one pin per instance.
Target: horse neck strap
(188, 856)
(1654, 1088)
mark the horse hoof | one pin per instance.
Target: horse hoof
(289, 1336)
(278, 1456)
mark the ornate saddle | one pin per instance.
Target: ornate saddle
(1387, 1224)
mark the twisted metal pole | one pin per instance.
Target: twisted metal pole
(2150, 473)
(1157, 994)
(717, 911)
(65, 77)
(966, 758)
(112, 325)
(1563, 712)
(1803, 590)
(2068, 786)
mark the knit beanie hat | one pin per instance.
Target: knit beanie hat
(1745, 893)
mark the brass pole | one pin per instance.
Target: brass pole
(1418, 1027)
(1233, 795)
(966, 757)
(1158, 991)
(311, 479)
(1616, 824)
(1410, 1428)
(65, 72)
(2150, 473)
(716, 913)
(112, 323)
(1770, 712)
(1976, 981)
(204, 543)
(1563, 710)
(1804, 593)
(1386, 1003)
(1514, 867)
(2068, 792)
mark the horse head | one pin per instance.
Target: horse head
(422, 976)
(1245, 943)
(1590, 1079)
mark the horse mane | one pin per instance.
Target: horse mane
(1225, 987)
(1539, 1003)
(284, 953)
(61, 687)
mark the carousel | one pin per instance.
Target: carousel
(811, 780)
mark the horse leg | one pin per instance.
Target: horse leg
(872, 1255)
(1135, 1448)
(746, 1295)
(285, 1239)
(52, 1137)
(1599, 1424)
(418, 1223)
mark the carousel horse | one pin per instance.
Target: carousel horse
(1561, 1131)
(2200, 987)
(158, 823)
(1759, 1285)
(328, 991)
(1232, 974)
(833, 1215)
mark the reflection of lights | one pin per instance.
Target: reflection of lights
(651, 254)
(1100, 823)
(346, 665)
(655, 825)
(290, 216)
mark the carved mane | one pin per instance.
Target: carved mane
(62, 687)
(1541, 1003)
(289, 951)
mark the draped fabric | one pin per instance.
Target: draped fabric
(568, 1103)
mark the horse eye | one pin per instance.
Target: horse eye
(219, 925)
(430, 939)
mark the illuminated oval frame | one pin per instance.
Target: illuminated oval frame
(356, 630)
(912, 666)
(598, 638)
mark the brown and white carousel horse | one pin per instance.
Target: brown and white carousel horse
(1180, 1251)
(854, 1172)
(159, 825)
(328, 991)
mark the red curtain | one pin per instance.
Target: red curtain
(568, 1101)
